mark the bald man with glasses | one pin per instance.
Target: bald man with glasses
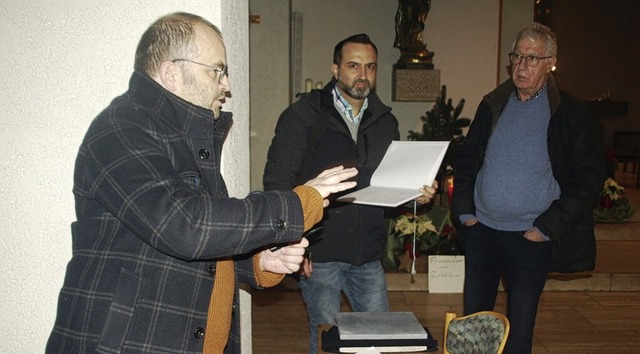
(159, 247)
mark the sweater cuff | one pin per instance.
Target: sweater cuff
(312, 205)
(265, 278)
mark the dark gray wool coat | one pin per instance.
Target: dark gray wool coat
(153, 215)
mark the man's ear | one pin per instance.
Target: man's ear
(552, 64)
(334, 71)
(169, 75)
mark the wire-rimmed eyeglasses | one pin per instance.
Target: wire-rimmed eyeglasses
(530, 60)
(222, 71)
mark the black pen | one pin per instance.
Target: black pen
(306, 234)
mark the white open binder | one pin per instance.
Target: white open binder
(404, 169)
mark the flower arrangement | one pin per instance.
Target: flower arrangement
(612, 191)
(614, 205)
(406, 224)
(434, 234)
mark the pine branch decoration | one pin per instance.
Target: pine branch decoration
(443, 123)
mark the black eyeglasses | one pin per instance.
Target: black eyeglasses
(530, 60)
(221, 71)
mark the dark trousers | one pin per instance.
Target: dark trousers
(523, 265)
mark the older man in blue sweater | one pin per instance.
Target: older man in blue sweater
(526, 182)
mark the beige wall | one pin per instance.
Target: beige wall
(465, 36)
(269, 58)
(515, 15)
(63, 63)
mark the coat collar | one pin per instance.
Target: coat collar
(497, 99)
(183, 116)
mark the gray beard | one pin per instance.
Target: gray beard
(355, 93)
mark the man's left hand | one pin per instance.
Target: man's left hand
(534, 235)
(286, 260)
(427, 193)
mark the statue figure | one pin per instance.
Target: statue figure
(410, 18)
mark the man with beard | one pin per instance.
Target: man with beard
(345, 123)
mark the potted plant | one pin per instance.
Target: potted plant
(613, 206)
(413, 237)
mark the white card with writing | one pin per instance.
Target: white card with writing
(446, 274)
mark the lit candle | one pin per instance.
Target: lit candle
(450, 188)
(308, 85)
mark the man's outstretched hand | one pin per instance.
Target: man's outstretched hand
(332, 181)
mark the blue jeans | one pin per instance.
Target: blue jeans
(364, 286)
(524, 265)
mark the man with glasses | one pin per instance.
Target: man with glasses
(527, 180)
(159, 247)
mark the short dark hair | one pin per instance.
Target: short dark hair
(361, 38)
(168, 38)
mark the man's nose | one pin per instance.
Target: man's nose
(225, 84)
(367, 74)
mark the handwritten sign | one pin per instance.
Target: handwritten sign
(446, 274)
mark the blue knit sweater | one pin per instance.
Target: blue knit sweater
(516, 183)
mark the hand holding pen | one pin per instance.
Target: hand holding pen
(285, 258)
(309, 235)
